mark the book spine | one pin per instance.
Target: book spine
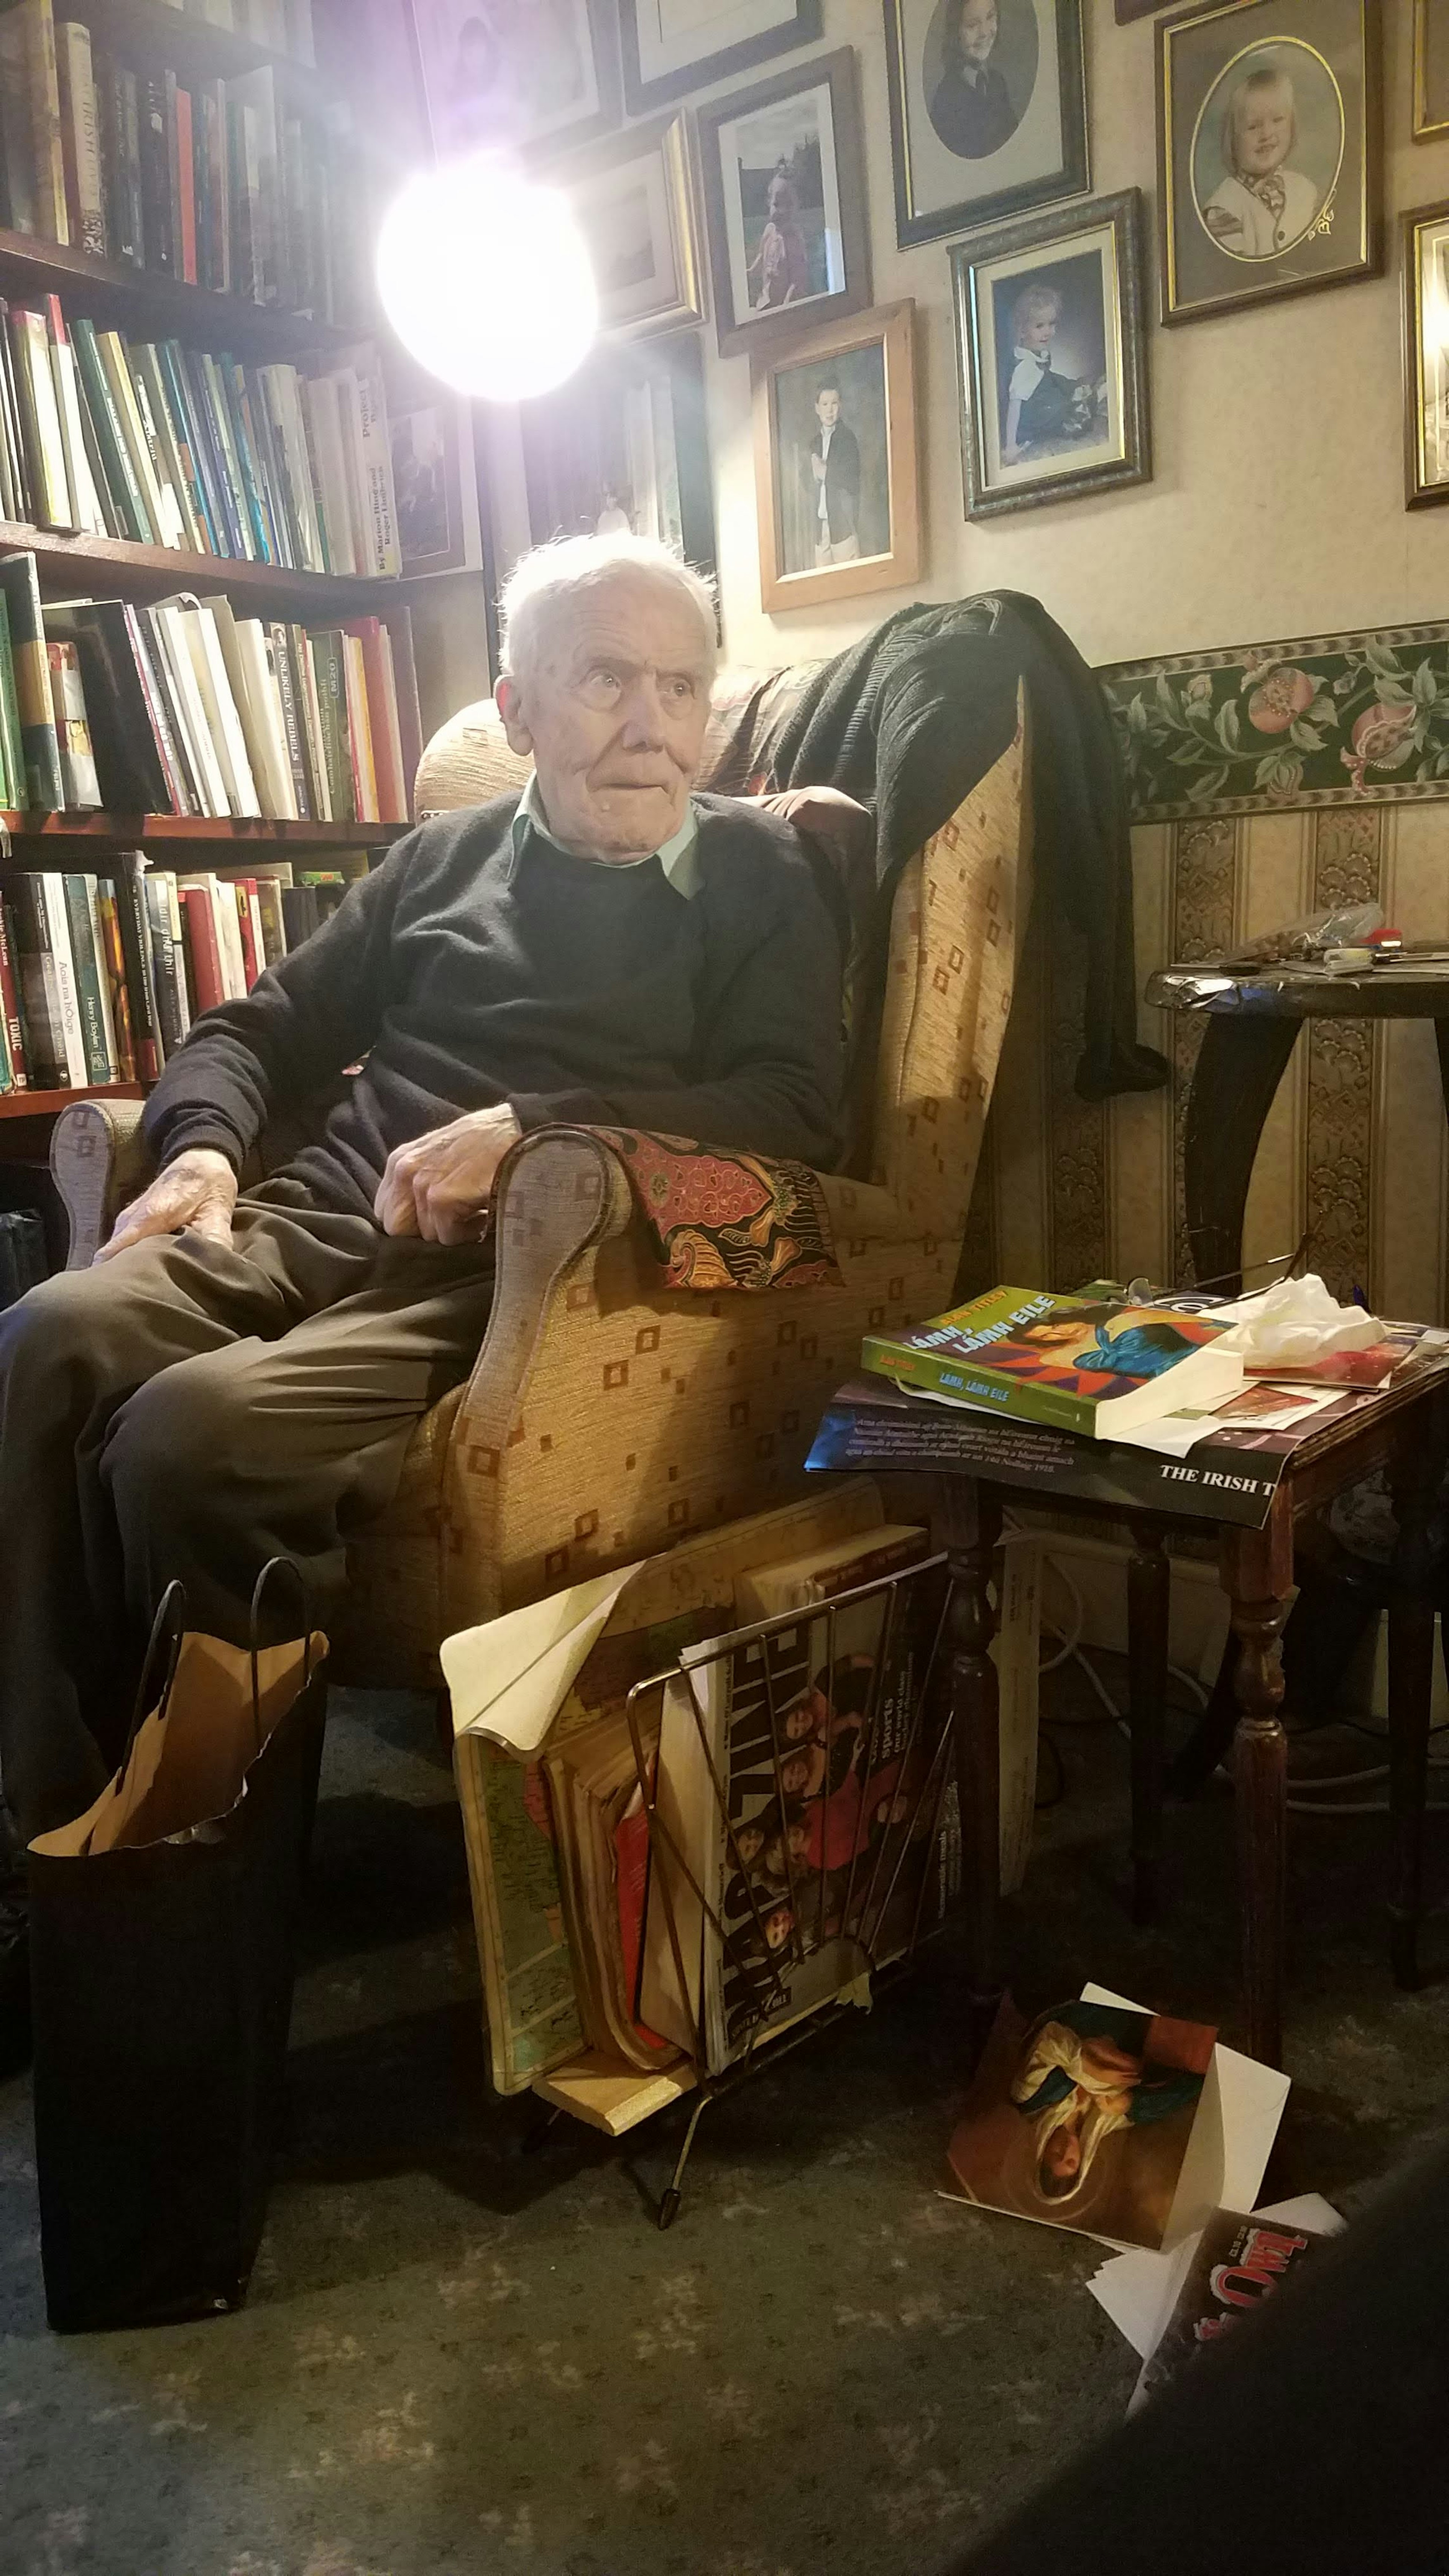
(17, 137)
(188, 445)
(54, 903)
(1016, 1400)
(81, 139)
(280, 661)
(109, 912)
(21, 587)
(42, 445)
(165, 979)
(87, 966)
(44, 1037)
(186, 186)
(46, 126)
(205, 950)
(103, 978)
(140, 977)
(110, 436)
(12, 750)
(158, 711)
(10, 998)
(244, 892)
(156, 175)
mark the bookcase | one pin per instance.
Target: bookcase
(206, 267)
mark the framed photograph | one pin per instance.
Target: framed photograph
(531, 72)
(784, 187)
(1050, 335)
(1431, 69)
(1426, 356)
(624, 446)
(435, 478)
(635, 199)
(836, 475)
(988, 109)
(1268, 135)
(671, 46)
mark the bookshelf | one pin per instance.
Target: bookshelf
(67, 563)
(147, 303)
(49, 1104)
(240, 834)
(195, 47)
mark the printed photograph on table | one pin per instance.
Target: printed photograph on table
(1050, 339)
(515, 71)
(634, 198)
(1431, 69)
(1268, 148)
(1426, 356)
(836, 482)
(670, 46)
(988, 110)
(784, 179)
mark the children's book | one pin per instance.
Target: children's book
(1085, 1363)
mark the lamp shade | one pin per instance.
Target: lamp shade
(486, 279)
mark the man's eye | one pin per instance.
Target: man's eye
(679, 691)
(602, 679)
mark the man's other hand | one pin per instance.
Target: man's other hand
(439, 1186)
(197, 1190)
(827, 812)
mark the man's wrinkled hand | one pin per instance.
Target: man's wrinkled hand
(824, 811)
(439, 1186)
(197, 1191)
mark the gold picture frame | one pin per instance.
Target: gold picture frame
(636, 198)
(832, 532)
(1426, 357)
(1431, 40)
(1239, 81)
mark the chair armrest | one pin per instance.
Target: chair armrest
(99, 1159)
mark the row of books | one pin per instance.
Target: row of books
(182, 707)
(226, 185)
(165, 446)
(102, 976)
(283, 26)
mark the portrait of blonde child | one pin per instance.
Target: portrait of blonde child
(1263, 206)
(1040, 404)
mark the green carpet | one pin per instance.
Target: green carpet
(459, 2358)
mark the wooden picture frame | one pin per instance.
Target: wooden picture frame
(636, 200)
(1306, 74)
(519, 94)
(1431, 69)
(867, 536)
(968, 151)
(659, 67)
(1128, 10)
(1077, 275)
(1426, 357)
(802, 134)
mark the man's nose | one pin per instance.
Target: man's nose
(643, 713)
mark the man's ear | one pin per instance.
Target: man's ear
(508, 700)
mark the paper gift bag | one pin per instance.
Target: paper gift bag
(163, 1931)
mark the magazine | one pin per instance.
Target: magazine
(1236, 2264)
(1082, 2118)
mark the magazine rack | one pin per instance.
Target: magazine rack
(904, 1813)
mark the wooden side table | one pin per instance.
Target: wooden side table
(1253, 1018)
(1406, 1432)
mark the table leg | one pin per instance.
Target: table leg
(1257, 1574)
(1239, 1067)
(971, 1521)
(1414, 1480)
(1149, 1580)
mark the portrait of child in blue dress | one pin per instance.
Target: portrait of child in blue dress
(1045, 411)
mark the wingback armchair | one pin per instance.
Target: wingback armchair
(606, 1418)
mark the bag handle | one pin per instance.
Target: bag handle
(169, 1622)
(286, 1565)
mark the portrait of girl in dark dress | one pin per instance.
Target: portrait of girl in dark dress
(971, 107)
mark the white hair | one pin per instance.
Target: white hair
(535, 600)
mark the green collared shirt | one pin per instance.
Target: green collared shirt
(678, 856)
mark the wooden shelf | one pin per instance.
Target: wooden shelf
(191, 46)
(244, 832)
(87, 562)
(147, 304)
(48, 1104)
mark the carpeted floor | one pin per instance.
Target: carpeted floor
(460, 2359)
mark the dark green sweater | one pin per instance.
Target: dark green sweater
(466, 975)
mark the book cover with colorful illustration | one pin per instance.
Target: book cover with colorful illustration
(1084, 1363)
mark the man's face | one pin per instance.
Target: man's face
(827, 407)
(979, 26)
(615, 717)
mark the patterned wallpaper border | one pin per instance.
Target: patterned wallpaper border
(1330, 720)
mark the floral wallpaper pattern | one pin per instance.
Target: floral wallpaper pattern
(1321, 722)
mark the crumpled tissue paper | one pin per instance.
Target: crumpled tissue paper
(1298, 1320)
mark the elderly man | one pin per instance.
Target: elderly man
(240, 1375)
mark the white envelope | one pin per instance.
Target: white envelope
(509, 1678)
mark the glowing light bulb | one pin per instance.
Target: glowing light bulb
(486, 278)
